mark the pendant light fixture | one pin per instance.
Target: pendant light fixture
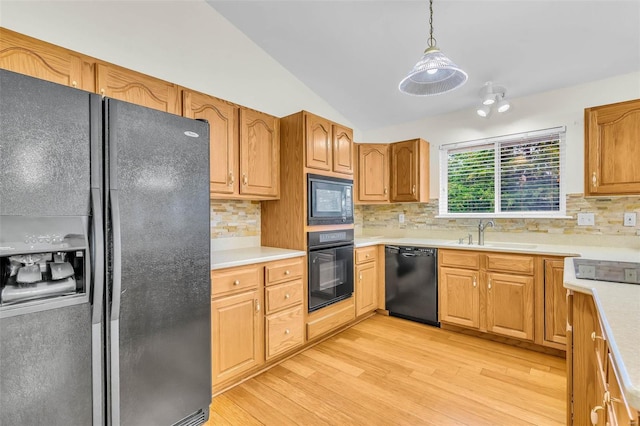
(434, 73)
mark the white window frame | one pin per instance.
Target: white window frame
(496, 142)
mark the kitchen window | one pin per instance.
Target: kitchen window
(518, 175)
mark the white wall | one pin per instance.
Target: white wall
(183, 41)
(564, 107)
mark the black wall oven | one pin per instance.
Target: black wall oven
(330, 200)
(330, 267)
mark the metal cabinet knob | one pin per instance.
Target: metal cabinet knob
(367, 255)
(594, 179)
(594, 414)
(287, 272)
(413, 190)
(287, 331)
(244, 179)
(232, 180)
(286, 296)
(74, 83)
(236, 282)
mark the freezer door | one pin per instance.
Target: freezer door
(158, 195)
(48, 351)
(44, 147)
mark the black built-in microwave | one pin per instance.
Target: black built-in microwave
(330, 200)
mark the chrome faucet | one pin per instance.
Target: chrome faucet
(481, 228)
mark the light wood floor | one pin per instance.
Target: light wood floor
(388, 371)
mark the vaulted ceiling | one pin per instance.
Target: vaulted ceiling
(354, 53)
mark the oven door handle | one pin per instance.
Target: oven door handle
(330, 246)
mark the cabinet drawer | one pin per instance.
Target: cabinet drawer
(283, 296)
(230, 280)
(510, 263)
(460, 259)
(366, 254)
(284, 331)
(623, 413)
(284, 270)
(331, 321)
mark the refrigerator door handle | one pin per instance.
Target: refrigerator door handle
(117, 256)
(98, 260)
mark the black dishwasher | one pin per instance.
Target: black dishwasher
(411, 283)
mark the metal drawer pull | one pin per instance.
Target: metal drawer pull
(475, 283)
(594, 179)
(594, 336)
(489, 284)
(244, 179)
(257, 305)
(231, 179)
(236, 282)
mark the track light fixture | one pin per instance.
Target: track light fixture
(492, 94)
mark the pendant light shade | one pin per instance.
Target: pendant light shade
(434, 73)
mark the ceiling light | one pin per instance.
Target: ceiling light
(484, 111)
(503, 105)
(490, 93)
(434, 73)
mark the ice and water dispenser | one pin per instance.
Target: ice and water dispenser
(44, 262)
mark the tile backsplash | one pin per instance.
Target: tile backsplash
(232, 219)
(420, 220)
(235, 218)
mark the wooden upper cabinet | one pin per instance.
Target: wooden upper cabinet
(372, 180)
(342, 149)
(259, 154)
(318, 143)
(130, 86)
(329, 147)
(38, 59)
(612, 149)
(410, 171)
(223, 139)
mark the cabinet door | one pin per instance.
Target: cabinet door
(611, 149)
(318, 143)
(24, 55)
(223, 138)
(373, 172)
(130, 86)
(236, 335)
(459, 297)
(555, 305)
(366, 288)
(404, 171)
(510, 305)
(342, 150)
(586, 369)
(259, 154)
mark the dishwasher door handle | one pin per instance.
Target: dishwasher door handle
(408, 255)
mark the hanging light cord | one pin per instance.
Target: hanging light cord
(431, 42)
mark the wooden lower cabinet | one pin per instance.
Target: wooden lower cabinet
(236, 335)
(510, 305)
(555, 304)
(595, 396)
(283, 331)
(366, 279)
(490, 292)
(459, 297)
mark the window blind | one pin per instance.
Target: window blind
(513, 175)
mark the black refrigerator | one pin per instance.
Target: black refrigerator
(104, 260)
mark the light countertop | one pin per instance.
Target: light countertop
(245, 256)
(618, 304)
(619, 308)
